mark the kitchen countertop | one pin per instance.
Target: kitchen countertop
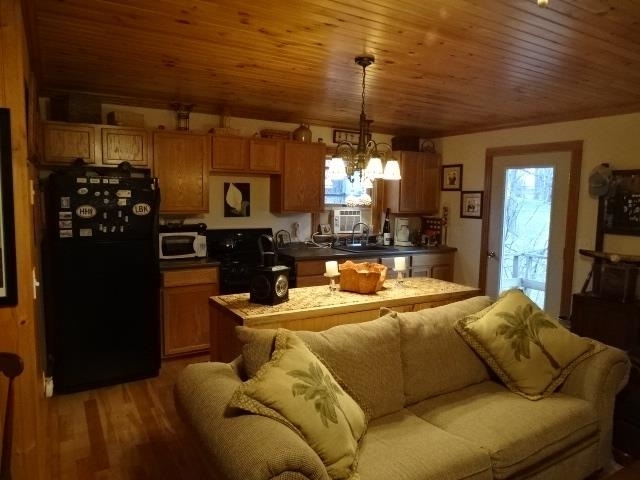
(305, 252)
(188, 263)
(315, 308)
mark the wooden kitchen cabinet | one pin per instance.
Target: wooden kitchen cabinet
(229, 154)
(300, 186)
(185, 309)
(102, 145)
(181, 163)
(419, 190)
(125, 144)
(63, 143)
(265, 155)
(246, 155)
(434, 265)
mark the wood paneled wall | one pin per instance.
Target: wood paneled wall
(18, 325)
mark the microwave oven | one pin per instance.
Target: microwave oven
(344, 219)
(186, 241)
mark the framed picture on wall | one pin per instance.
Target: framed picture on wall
(471, 204)
(8, 285)
(451, 177)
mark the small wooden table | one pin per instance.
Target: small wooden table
(314, 308)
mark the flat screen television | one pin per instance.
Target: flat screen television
(8, 287)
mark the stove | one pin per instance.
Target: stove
(238, 252)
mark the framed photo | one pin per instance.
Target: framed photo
(471, 204)
(8, 285)
(451, 177)
(351, 136)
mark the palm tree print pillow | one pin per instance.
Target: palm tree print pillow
(295, 388)
(528, 349)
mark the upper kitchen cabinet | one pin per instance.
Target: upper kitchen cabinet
(229, 154)
(300, 186)
(125, 144)
(246, 155)
(103, 145)
(419, 190)
(63, 143)
(181, 163)
(265, 155)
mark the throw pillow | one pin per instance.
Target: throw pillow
(529, 350)
(295, 388)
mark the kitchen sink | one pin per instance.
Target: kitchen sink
(364, 248)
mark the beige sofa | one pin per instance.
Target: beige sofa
(437, 411)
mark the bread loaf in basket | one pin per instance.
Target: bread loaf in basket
(365, 277)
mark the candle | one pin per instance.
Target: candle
(399, 263)
(331, 267)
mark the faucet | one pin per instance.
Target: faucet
(365, 232)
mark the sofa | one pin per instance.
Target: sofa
(435, 409)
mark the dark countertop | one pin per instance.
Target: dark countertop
(304, 252)
(188, 263)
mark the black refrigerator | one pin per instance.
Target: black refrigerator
(101, 277)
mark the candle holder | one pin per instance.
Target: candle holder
(332, 282)
(400, 278)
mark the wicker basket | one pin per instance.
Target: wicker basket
(362, 277)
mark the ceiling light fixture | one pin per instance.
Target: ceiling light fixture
(367, 157)
(543, 3)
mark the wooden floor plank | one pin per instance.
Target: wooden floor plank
(129, 431)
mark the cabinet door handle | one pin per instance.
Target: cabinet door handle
(491, 254)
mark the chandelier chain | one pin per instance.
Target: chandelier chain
(364, 74)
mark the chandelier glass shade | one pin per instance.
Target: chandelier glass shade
(373, 160)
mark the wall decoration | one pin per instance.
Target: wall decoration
(351, 136)
(451, 177)
(619, 207)
(8, 286)
(471, 205)
(237, 199)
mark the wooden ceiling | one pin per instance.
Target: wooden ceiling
(441, 66)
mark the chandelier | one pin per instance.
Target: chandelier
(368, 156)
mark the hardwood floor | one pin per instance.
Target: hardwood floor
(123, 432)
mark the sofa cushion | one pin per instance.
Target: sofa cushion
(402, 446)
(365, 356)
(430, 342)
(295, 388)
(529, 350)
(518, 434)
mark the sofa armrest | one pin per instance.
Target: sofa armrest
(237, 444)
(598, 379)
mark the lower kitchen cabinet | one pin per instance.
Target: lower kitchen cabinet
(434, 265)
(185, 309)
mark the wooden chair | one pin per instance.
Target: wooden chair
(11, 366)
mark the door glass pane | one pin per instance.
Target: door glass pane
(525, 231)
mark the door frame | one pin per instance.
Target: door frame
(575, 149)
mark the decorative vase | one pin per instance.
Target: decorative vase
(302, 133)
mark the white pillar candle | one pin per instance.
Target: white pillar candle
(400, 263)
(331, 267)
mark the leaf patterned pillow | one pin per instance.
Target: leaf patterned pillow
(528, 349)
(295, 388)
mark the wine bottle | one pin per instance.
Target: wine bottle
(386, 229)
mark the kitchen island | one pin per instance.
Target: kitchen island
(315, 308)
